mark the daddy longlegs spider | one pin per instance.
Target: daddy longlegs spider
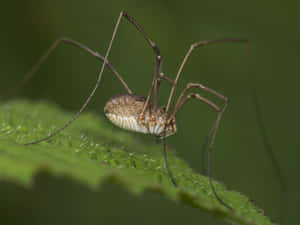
(136, 113)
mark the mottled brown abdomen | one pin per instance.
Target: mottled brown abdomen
(125, 112)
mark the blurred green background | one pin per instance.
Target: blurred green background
(239, 161)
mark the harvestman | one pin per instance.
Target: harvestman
(136, 113)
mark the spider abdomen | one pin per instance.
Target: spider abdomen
(125, 112)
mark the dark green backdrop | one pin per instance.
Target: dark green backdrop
(29, 27)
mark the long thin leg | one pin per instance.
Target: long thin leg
(158, 82)
(162, 76)
(195, 85)
(267, 144)
(192, 48)
(196, 96)
(166, 162)
(172, 92)
(156, 70)
(212, 132)
(181, 100)
(93, 91)
(178, 105)
(157, 62)
(48, 52)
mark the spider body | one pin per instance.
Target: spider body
(126, 111)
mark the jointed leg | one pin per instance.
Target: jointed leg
(48, 52)
(178, 105)
(196, 96)
(267, 144)
(172, 92)
(212, 133)
(166, 162)
(105, 62)
(192, 48)
(181, 98)
(162, 76)
(157, 62)
(157, 86)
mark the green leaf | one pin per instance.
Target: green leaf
(92, 152)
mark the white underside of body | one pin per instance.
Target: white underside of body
(131, 123)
